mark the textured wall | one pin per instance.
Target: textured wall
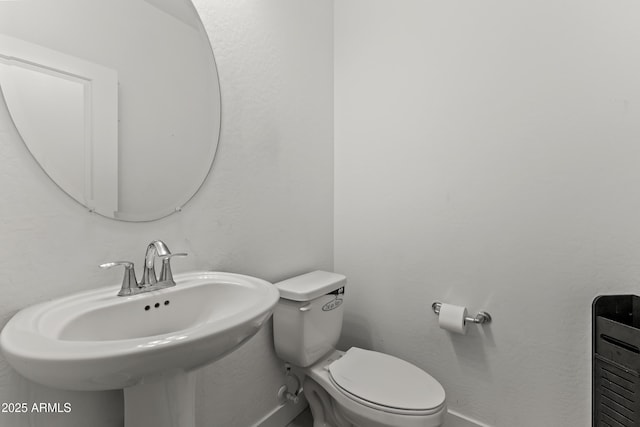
(265, 210)
(487, 155)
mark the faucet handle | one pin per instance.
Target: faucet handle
(129, 282)
(127, 264)
(165, 273)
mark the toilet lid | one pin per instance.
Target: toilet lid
(386, 380)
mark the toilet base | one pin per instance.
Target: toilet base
(323, 407)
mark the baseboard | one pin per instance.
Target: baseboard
(454, 419)
(283, 414)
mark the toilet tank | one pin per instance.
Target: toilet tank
(307, 320)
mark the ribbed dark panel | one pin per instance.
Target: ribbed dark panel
(616, 361)
(616, 400)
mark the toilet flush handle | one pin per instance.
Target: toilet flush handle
(305, 307)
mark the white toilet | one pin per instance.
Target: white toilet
(359, 388)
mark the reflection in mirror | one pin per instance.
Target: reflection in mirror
(66, 110)
(117, 100)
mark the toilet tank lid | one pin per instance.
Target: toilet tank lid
(311, 285)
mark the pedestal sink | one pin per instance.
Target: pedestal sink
(149, 344)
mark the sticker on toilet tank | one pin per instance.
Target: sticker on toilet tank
(336, 302)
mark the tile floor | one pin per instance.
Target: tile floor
(303, 420)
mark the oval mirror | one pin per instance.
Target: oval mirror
(117, 100)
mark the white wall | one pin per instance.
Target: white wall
(487, 155)
(266, 209)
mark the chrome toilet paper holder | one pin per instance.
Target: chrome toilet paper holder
(480, 319)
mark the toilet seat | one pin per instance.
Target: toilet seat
(386, 383)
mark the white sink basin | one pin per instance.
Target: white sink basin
(96, 340)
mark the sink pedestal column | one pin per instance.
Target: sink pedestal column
(162, 401)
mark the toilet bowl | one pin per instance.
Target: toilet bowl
(355, 388)
(371, 389)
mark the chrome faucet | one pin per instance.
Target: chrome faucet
(150, 282)
(155, 248)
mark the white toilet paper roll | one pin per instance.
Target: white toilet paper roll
(451, 318)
